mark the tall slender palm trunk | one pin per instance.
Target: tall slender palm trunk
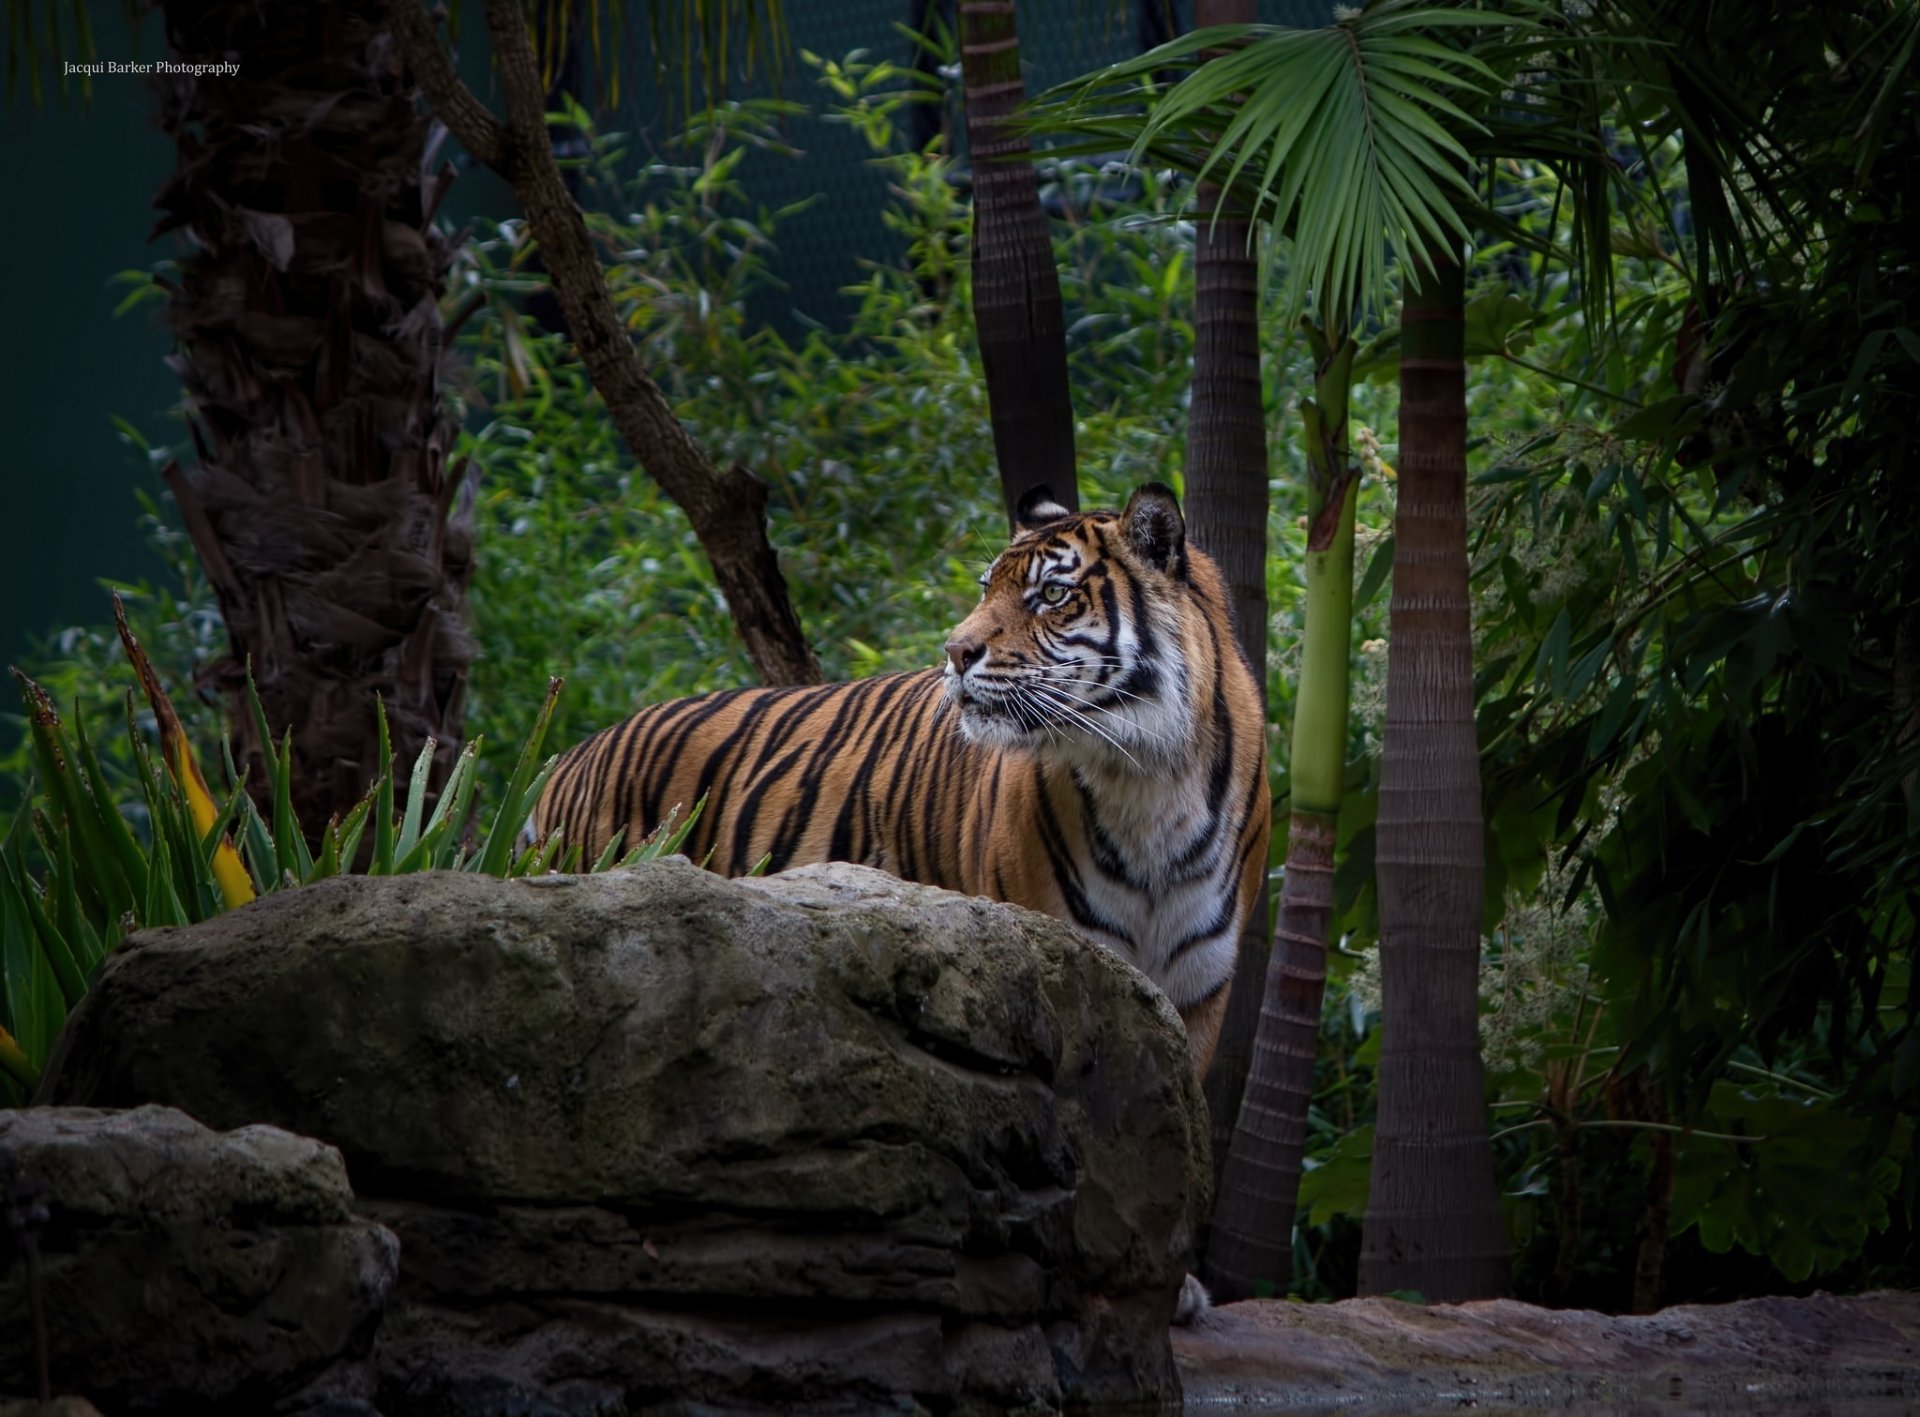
(1433, 1220)
(1226, 505)
(308, 338)
(1016, 287)
(1249, 1250)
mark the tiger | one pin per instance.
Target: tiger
(1092, 747)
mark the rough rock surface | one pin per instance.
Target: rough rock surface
(1856, 1356)
(825, 1138)
(187, 1269)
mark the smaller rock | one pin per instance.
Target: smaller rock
(1499, 1355)
(187, 1269)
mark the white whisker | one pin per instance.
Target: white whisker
(1113, 689)
(1062, 705)
(1062, 690)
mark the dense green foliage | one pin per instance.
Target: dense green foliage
(874, 439)
(1696, 628)
(79, 869)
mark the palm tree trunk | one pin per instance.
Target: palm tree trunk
(1433, 1222)
(1226, 506)
(1016, 287)
(1249, 1250)
(308, 339)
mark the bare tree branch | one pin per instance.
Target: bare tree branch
(453, 102)
(727, 509)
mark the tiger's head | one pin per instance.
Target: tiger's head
(1082, 645)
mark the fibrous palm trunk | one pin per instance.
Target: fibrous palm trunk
(309, 341)
(1433, 1222)
(1016, 287)
(1226, 506)
(1249, 1250)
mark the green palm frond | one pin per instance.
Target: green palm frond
(1351, 138)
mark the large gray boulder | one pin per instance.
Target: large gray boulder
(826, 1138)
(183, 1269)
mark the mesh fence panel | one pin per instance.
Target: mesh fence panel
(820, 250)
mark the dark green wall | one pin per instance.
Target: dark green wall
(76, 186)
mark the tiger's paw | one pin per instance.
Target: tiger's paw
(1194, 1301)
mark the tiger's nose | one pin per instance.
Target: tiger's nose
(964, 652)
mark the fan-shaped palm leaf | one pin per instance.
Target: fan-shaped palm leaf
(1348, 137)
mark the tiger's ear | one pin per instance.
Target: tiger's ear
(1155, 529)
(1036, 508)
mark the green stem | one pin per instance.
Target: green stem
(1783, 1079)
(1320, 712)
(1630, 1126)
(1250, 1245)
(1565, 378)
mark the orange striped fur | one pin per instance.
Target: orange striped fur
(1093, 748)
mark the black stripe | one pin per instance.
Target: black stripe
(1223, 920)
(883, 731)
(800, 811)
(1223, 722)
(1182, 869)
(1106, 851)
(747, 814)
(678, 722)
(721, 756)
(790, 726)
(1066, 872)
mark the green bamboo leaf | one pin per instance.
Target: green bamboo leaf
(290, 848)
(383, 854)
(553, 850)
(133, 861)
(606, 859)
(296, 859)
(417, 801)
(1612, 716)
(1550, 665)
(1379, 567)
(175, 848)
(231, 819)
(523, 791)
(352, 829)
(669, 837)
(436, 843)
(257, 848)
(61, 959)
(34, 1004)
(199, 886)
(327, 863)
(1581, 675)
(72, 809)
(162, 904)
(450, 815)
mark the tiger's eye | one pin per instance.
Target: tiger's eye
(1053, 593)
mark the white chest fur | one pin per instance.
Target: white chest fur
(1157, 876)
